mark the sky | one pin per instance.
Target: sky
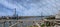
(29, 7)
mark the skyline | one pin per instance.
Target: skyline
(29, 7)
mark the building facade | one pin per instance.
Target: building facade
(57, 19)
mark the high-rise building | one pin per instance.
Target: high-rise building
(57, 19)
(15, 15)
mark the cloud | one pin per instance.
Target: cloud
(32, 7)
